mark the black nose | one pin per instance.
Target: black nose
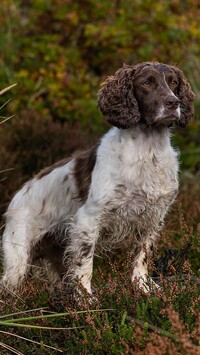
(171, 102)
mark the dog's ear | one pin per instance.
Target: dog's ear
(116, 99)
(186, 97)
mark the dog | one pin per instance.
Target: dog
(121, 188)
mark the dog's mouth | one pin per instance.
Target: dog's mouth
(167, 118)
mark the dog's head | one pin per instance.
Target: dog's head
(152, 93)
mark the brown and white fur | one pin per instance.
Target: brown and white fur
(122, 187)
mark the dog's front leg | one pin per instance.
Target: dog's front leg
(84, 233)
(140, 268)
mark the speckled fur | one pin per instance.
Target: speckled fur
(121, 189)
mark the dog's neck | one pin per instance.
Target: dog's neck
(145, 132)
(142, 140)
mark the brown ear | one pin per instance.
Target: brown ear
(116, 99)
(186, 97)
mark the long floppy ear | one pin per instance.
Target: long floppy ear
(186, 97)
(116, 99)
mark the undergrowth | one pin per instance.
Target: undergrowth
(121, 319)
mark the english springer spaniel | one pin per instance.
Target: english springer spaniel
(121, 188)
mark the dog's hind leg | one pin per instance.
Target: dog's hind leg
(17, 242)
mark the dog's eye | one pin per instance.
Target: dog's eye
(173, 83)
(146, 84)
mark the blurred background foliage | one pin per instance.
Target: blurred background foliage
(59, 51)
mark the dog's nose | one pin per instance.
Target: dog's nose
(171, 102)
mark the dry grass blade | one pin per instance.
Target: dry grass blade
(10, 348)
(15, 294)
(1, 229)
(7, 89)
(6, 170)
(6, 119)
(5, 103)
(31, 341)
